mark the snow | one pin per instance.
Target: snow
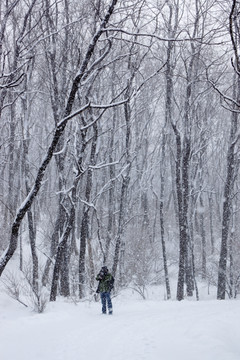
(138, 329)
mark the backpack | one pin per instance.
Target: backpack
(111, 283)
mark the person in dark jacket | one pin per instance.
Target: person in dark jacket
(105, 286)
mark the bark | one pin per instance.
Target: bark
(30, 217)
(111, 216)
(64, 267)
(210, 199)
(182, 240)
(61, 251)
(185, 184)
(58, 229)
(231, 157)
(91, 265)
(32, 238)
(57, 96)
(227, 203)
(168, 121)
(84, 235)
(122, 211)
(124, 189)
(203, 236)
(231, 261)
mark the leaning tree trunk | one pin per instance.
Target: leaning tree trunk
(26, 205)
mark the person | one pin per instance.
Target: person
(105, 286)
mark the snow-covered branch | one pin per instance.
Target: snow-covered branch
(100, 166)
(161, 38)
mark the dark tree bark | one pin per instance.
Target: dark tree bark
(124, 189)
(203, 236)
(227, 204)
(84, 234)
(182, 240)
(58, 229)
(231, 156)
(61, 251)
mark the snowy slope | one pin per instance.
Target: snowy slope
(152, 330)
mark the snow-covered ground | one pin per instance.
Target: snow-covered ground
(139, 329)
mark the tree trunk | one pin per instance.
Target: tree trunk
(58, 229)
(124, 188)
(203, 236)
(84, 235)
(61, 251)
(227, 203)
(228, 190)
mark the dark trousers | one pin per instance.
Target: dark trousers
(106, 300)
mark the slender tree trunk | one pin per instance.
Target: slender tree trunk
(231, 261)
(91, 265)
(122, 210)
(185, 191)
(227, 202)
(168, 121)
(182, 240)
(203, 236)
(64, 268)
(162, 188)
(227, 199)
(85, 220)
(111, 216)
(210, 199)
(124, 188)
(58, 229)
(60, 254)
(26, 174)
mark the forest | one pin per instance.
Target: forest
(119, 145)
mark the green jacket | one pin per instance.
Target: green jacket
(105, 283)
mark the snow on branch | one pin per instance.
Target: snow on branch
(107, 106)
(67, 118)
(100, 166)
(224, 96)
(85, 107)
(90, 205)
(105, 186)
(63, 149)
(13, 83)
(176, 39)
